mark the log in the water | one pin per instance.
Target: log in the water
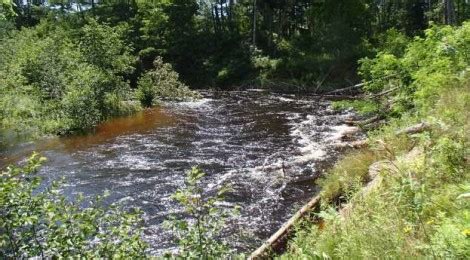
(276, 239)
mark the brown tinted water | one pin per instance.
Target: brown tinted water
(267, 147)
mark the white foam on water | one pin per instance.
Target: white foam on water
(339, 131)
(304, 133)
(132, 162)
(284, 99)
(192, 104)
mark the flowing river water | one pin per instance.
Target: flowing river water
(267, 147)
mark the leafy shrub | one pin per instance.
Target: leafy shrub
(162, 83)
(392, 42)
(418, 75)
(199, 237)
(50, 86)
(37, 221)
(103, 46)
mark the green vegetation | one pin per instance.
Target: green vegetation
(52, 83)
(162, 83)
(36, 221)
(417, 208)
(199, 237)
(66, 68)
(307, 45)
(57, 80)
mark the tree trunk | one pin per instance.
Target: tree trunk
(217, 18)
(230, 15)
(254, 23)
(449, 12)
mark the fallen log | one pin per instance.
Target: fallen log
(373, 125)
(383, 93)
(415, 129)
(263, 251)
(338, 97)
(464, 196)
(360, 85)
(346, 89)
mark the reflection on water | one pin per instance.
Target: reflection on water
(141, 123)
(267, 147)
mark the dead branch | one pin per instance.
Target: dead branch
(346, 89)
(383, 93)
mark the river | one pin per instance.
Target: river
(267, 147)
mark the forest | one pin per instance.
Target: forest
(402, 67)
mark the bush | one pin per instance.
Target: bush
(200, 236)
(50, 86)
(418, 75)
(37, 221)
(162, 83)
(103, 46)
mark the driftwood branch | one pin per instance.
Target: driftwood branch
(383, 93)
(263, 251)
(360, 85)
(374, 125)
(338, 97)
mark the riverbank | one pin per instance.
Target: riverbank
(424, 193)
(406, 194)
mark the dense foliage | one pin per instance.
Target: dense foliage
(37, 221)
(420, 207)
(69, 66)
(162, 82)
(53, 81)
(429, 66)
(57, 80)
(291, 44)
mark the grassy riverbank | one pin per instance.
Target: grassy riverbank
(419, 205)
